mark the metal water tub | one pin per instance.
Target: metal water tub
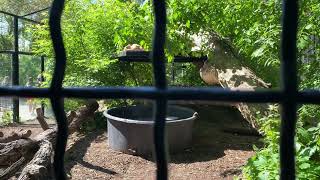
(130, 128)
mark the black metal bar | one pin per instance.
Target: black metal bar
(289, 83)
(19, 52)
(42, 64)
(158, 61)
(184, 59)
(29, 20)
(15, 68)
(35, 12)
(172, 72)
(174, 93)
(147, 59)
(56, 87)
(42, 80)
(20, 17)
(10, 14)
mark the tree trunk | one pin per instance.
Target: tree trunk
(40, 117)
(224, 69)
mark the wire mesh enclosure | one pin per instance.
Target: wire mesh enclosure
(288, 96)
(17, 60)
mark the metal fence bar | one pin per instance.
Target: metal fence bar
(289, 83)
(158, 61)
(19, 52)
(213, 94)
(56, 87)
(15, 60)
(20, 17)
(35, 12)
(15, 67)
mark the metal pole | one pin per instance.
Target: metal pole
(42, 64)
(172, 73)
(15, 68)
(42, 79)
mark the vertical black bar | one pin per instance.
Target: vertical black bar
(172, 73)
(56, 87)
(289, 83)
(15, 68)
(158, 58)
(42, 79)
(42, 64)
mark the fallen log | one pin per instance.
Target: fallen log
(224, 69)
(40, 166)
(10, 171)
(84, 114)
(21, 134)
(37, 152)
(12, 151)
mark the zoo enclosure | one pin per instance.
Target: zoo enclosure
(288, 96)
(14, 53)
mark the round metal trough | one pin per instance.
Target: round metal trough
(130, 128)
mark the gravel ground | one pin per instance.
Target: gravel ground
(215, 154)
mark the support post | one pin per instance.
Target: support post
(42, 71)
(172, 73)
(15, 68)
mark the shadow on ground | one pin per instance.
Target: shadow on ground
(213, 135)
(75, 154)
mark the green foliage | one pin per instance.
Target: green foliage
(254, 37)
(94, 32)
(265, 164)
(6, 117)
(99, 122)
(186, 75)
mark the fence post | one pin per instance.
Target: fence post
(15, 68)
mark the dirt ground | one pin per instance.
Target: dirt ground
(215, 153)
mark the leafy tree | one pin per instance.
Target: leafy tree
(95, 31)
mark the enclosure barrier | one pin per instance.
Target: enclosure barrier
(15, 55)
(288, 96)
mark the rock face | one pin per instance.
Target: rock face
(225, 69)
(209, 74)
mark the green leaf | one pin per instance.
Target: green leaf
(298, 146)
(263, 175)
(304, 166)
(188, 24)
(309, 26)
(258, 52)
(313, 129)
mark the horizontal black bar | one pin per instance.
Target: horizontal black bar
(206, 94)
(30, 20)
(190, 59)
(20, 52)
(134, 59)
(20, 17)
(178, 59)
(35, 12)
(308, 97)
(6, 52)
(9, 14)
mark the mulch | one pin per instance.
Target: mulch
(215, 154)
